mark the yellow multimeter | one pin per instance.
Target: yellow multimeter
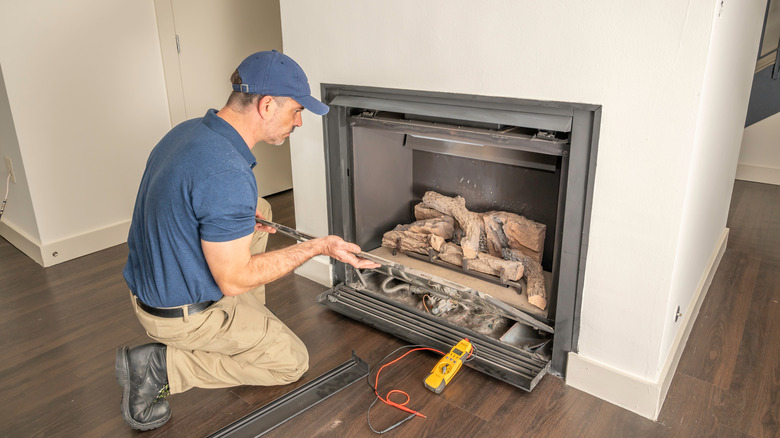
(445, 370)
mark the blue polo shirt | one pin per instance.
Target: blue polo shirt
(198, 184)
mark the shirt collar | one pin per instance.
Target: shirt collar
(223, 128)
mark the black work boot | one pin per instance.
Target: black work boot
(142, 374)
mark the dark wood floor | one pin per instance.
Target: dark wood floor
(59, 328)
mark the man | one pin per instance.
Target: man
(197, 265)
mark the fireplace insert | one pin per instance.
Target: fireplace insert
(387, 151)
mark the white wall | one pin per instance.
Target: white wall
(759, 159)
(86, 94)
(645, 63)
(725, 95)
(18, 193)
(214, 37)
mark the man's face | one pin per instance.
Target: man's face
(286, 117)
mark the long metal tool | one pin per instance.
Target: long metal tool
(292, 232)
(432, 284)
(302, 237)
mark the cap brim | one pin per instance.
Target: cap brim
(313, 105)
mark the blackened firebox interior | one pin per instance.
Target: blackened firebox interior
(397, 158)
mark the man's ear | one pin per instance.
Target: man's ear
(266, 106)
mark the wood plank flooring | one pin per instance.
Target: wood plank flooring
(59, 328)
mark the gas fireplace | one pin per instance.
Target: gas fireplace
(480, 204)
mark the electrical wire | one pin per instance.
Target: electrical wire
(5, 199)
(386, 400)
(472, 354)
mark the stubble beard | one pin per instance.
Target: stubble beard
(278, 140)
(281, 139)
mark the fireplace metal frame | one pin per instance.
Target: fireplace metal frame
(577, 175)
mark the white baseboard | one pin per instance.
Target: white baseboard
(612, 385)
(643, 397)
(317, 269)
(69, 248)
(24, 243)
(766, 175)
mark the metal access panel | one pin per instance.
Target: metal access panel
(411, 300)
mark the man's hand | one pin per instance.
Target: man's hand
(261, 227)
(343, 251)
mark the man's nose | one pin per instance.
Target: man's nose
(298, 119)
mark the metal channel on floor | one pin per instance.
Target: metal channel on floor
(294, 403)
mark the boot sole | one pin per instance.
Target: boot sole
(123, 379)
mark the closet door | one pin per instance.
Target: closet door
(202, 42)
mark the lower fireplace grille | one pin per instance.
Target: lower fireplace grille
(502, 361)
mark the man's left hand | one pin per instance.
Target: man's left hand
(261, 227)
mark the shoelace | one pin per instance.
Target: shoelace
(165, 391)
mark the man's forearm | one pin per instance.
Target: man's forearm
(236, 271)
(269, 266)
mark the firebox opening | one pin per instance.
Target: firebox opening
(398, 158)
(393, 168)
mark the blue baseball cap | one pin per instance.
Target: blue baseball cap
(275, 74)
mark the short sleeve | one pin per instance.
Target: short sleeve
(224, 205)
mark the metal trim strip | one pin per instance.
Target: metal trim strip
(552, 122)
(297, 401)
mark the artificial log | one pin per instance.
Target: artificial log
(506, 269)
(421, 212)
(534, 277)
(509, 230)
(409, 241)
(469, 222)
(436, 242)
(443, 226)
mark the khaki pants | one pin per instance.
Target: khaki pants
(236, 341)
